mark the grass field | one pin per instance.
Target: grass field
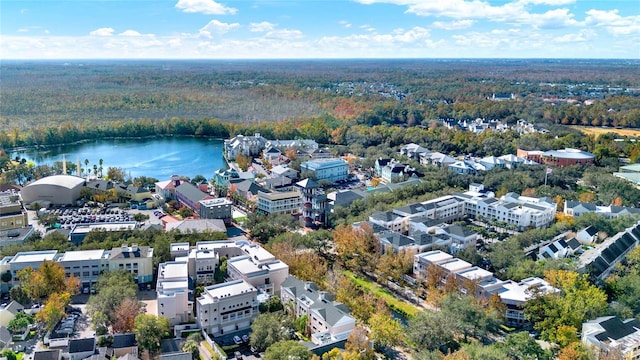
(597, 131)
(379, 292)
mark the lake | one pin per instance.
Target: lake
(152, 157)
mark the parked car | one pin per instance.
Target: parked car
(238, 355)
(245, 338)
(237, 340)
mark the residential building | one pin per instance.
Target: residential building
(588, 235)
(516, 294)
(47, 354)
(329, 169)
(259, 268)
(227, 307)
(9, 312)
(272, 155)
(124, 344)
(190, 196)
(167, 188)
(463, 167)
(219, 208)
(314, 203)
(246, 145)
(246, 189)
(437, 159)
(329, 321)
(577, 208)
(80, 231)
(559, 249)
(279, 202)
(613, 336)
(135, 259)
(394, 171)
(600, 260)
(174, 295)
(413, 151)
(80, 349)
(197, 225)
(285, 171)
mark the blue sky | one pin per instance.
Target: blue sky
(267, 29)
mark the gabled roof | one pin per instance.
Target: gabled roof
(14, 307)
(307, 184)
(47, 355)
(613, 328)
(82, 345)
(191, 192)
(124, 340)
(574, 244)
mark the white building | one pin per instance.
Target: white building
(173, 294)
(610, 334)
(516, 294)
(245, 145)
(227, 307)
(279, 202)
(331, 169)
(259, 268)
(329, 321)
(135, 259)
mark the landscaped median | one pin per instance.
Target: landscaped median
(401, 307)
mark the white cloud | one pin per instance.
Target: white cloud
(345, 23)
(552, 19)
(204, 6)
(582, 36)
(105, 31)
(453, 25)
(217, 27)
(368, 28)
(284, 34)
(261, 26)
(547, 2)
(130, 33)
(613, 22)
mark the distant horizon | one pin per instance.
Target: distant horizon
(338, 29)
(320, 59)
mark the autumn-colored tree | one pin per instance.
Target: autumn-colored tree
(617, 201)
(125, 315)
(358, 342)
(303, 263)
(529, 192)
(53, 310)
(243, 161)
(48, 279)
(587, 196)
(358, 248)
(576, 301)
(574, 351)
(291, 154)
(395, 265)
(385, 330)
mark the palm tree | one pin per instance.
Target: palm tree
(86, 164)
(100, 168)
(95, 170)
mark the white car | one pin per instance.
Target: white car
(237, 340)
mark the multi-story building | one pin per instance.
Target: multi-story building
(259, 268)
(24, 259)
(12, 214)
(331, 169)
(279, 202)
(219, 208)
(135, 259)
(563, 157)
(314, 203)
(167, 188)
(442, 268)
(329, 321)
(227, 307)
(174, 300)
(246, 145)
(86, 265)
(613, 336)
(190, 196)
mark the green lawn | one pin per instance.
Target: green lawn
(392, 301)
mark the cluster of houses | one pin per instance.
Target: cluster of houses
(253, 275)
(480, 125)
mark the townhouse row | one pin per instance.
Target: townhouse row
(443, 269)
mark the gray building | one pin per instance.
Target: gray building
(219, 208)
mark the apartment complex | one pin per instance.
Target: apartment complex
(446, 270)
(227, 307)
(329, 169)
(175, 298)
(287, 202)
(219, 208)
(329, 320)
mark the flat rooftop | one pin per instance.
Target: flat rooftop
(435, 256)
(116, 226)
(34, 256)
(82, 255)
(246, 266)
(257, 253)
(212, 245)
(173, 270)
(454, 265)
(183, 246)
(228, 289)
(475, 273)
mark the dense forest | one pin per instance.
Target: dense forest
(43, 103)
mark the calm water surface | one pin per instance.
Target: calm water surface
(155, 157)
